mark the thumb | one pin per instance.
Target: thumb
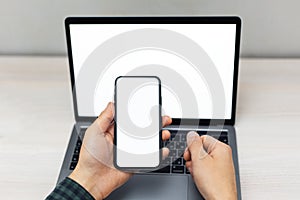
(195, 145)
(106, 117)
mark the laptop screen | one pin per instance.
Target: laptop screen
(180, 54)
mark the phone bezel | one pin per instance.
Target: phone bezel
(137, 169)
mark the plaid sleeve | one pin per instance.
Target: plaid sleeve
(69, 189)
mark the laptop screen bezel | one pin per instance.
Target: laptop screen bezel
(159, 20)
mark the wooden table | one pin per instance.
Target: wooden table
(36, 116)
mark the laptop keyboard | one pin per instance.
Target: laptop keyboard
(174, 163)
(75, 156)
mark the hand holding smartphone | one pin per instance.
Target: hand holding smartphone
(138, 139)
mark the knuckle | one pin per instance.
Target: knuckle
(227, 149)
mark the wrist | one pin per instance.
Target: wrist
(224, 196)
(88, 182)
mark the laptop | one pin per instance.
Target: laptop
(196, 59)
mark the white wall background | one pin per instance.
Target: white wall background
(271, 28)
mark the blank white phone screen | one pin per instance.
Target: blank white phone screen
(137, 118)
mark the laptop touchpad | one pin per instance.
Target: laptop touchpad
(153, 187)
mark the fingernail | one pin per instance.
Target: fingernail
(167, 119)
(191, 136)
(186, 148)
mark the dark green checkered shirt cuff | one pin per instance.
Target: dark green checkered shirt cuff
(69, 189)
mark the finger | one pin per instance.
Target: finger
(187, 155)
(195, 146)
(166, 120)
(110, 131)
(106, 117)
(166, 134)
(209, 143)
(111, 128)
(165, 152)
(188, 165)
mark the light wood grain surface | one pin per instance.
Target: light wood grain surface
(36, 117)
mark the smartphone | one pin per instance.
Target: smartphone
(137, 139)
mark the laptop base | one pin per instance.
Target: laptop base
(155, 186)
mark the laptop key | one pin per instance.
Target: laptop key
(223, 139)
(180, 145)
(165, 169)
(173, 153)
(173, 135)
(75, 158)
(176, 169)
(78, 142)
(73, 165)
(77, 150)
(201, 132)
(177, 161)
(183, 137)
(180, 152)
(166, 143)
(187, 171)
(166, 161)
(171, 145)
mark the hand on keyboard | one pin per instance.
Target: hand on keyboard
(95, 171)
(211, 166)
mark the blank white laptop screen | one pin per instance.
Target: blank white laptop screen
(217, 41)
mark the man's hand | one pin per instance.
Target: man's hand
(211, 166)
(95, 170)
